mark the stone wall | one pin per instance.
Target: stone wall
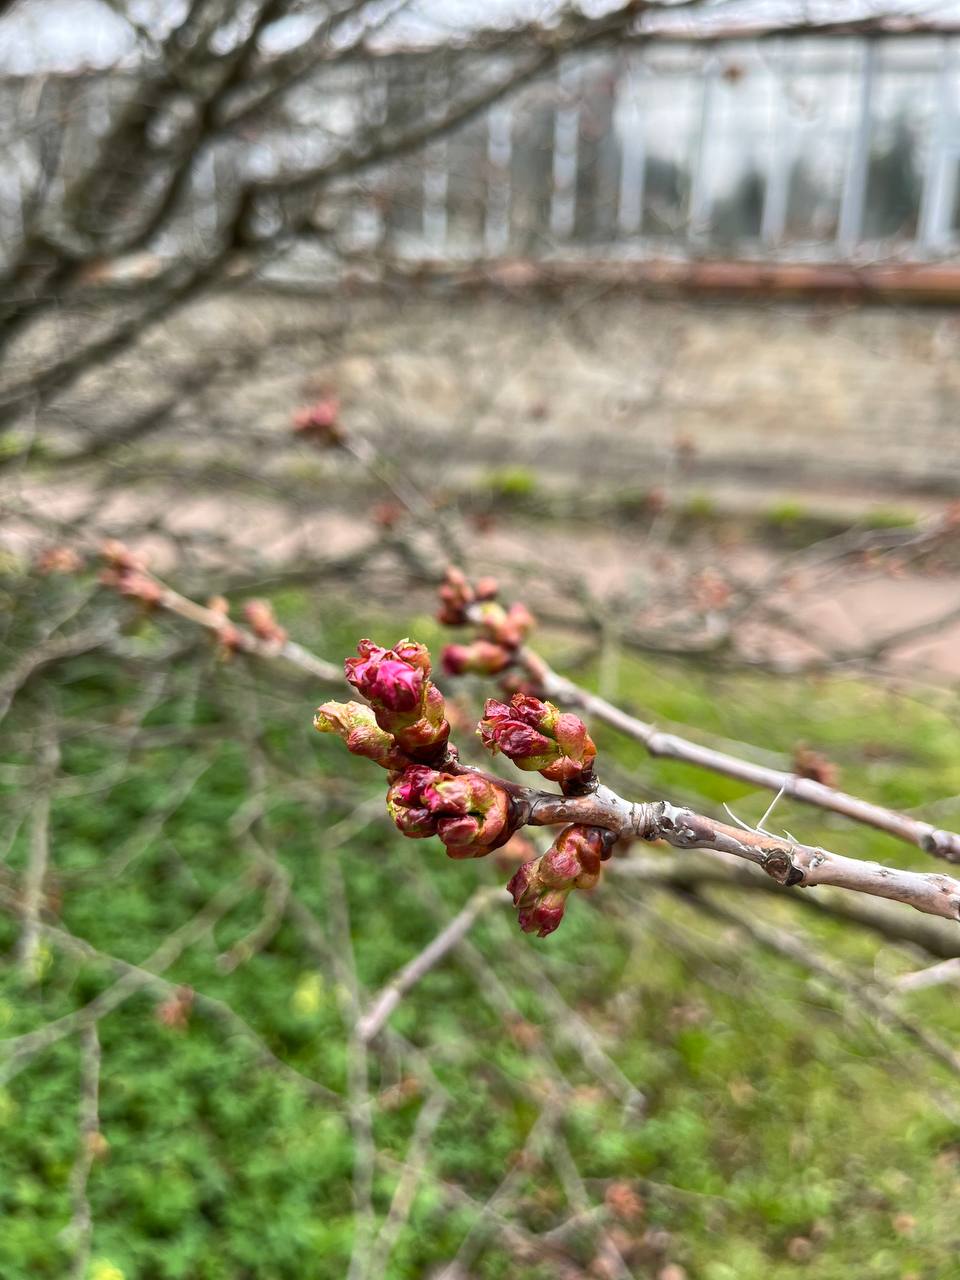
(838, 407)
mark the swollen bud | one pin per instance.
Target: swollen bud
(320, 423)
(540, 888)
(126, 572)
(507, 627)
(229, 637)
(263, 622)
(470, 813)
(357, 727)
(456, 595)
(405, 703)
(481, 658)
(539, 737)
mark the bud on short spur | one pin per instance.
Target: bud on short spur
(538, 737)
(507, 627)
(385, 678)
(405, 702)
(470, 813)
(229, 638)
(541, 887)
(320, 423)
(481, 658)
(126, 572)
(263, 622)
(456, 595)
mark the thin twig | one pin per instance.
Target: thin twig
(449, 937)
(79, 1231)
(941, 843)
(411, 1175)
(20, 1050)
(36, 872)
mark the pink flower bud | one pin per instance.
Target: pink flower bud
(456, 595)
(320, 422)
(398, 686)
(229, 638)
(61, 559)
(406, 704)
(469, 813)
(119, 556)
(481, 658)
(540, 887)
(413, 654)
(545, 915)
(537, 736)
(408, 789)
(384, 678)
(356, 725)
(263, 622)
(132, 583)
(520, 883)
(506, 627)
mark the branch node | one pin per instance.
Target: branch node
(779, 865)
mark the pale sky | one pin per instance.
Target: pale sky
(47, 35)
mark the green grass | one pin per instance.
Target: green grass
(774, 1111)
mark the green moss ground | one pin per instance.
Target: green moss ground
(774, 1111)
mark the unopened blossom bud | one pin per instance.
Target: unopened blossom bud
(405, 703)
(481, 658)
(127, 573)
(58, 560)
(263, 622)
(320, 422)
(507, 627)
(574, 858)
(357, 727)
(119, 556)
(544, 916)
(456, 595)
(133, 584)
(540, 888)
(486, 588)
(229, 637)
(384, 678)
(470, 813)
(539, 737)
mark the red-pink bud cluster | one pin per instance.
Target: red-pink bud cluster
(500, 631)
(357, 727)
(507, 627)
(58, 560)
(404, 730)
(396, 682)
(470, 813)
(540, 888)
(320, 423)
(127, 573)
(539, 737)
(457, 594)
(481, 658)
(263, 622)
